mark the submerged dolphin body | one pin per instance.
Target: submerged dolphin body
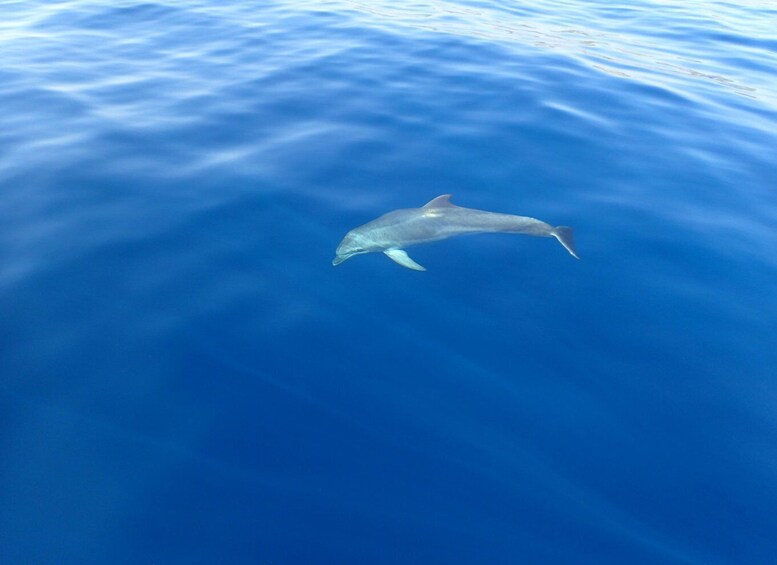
(438, 219)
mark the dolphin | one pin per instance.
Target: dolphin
(436, 220)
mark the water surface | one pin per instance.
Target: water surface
(186, 379)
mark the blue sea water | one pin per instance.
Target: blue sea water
(185, 378)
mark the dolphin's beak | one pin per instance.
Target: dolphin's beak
(339, 258)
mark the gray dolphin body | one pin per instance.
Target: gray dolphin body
(438, 219)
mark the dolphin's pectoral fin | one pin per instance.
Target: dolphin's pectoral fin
(400, 256)
(442, 201)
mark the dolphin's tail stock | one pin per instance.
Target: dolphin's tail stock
(564, 235)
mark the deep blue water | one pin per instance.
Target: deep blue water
(185, 378)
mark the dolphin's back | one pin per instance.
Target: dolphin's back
(469, 220)
(403, 228)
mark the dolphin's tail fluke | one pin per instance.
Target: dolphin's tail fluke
(564, 235)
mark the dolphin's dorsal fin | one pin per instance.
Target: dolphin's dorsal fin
(442, 201)
(400, 256)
